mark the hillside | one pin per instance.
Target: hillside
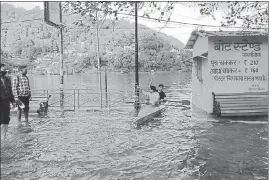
(37, 44)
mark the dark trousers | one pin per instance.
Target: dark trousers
(4, 112)
(25, 101)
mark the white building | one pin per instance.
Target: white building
(226, 63)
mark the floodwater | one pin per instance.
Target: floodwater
(102, 145)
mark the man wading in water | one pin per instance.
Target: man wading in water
(22, 92)
(6, 97)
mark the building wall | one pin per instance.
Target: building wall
(201, 46)
(235, 69)
(201, 89)
(198, 89)
(242, 66)
(207, 97)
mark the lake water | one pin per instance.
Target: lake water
(115, 80)
(102, 145)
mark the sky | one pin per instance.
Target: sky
(181, 13)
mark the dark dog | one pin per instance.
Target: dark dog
(43, 107)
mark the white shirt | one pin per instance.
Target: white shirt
(153, 97)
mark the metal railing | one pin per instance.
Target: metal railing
(76, 99)
(84, 99)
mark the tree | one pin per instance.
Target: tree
(113, 9)
(116, 43)
(249, 14)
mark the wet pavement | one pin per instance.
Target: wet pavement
(96, 145)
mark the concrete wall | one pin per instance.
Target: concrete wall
(200, 46)
(199, 90)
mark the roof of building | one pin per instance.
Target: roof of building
(195, 34)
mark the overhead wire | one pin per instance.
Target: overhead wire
(185, 23)
(149, 18)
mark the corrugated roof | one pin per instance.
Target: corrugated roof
(195, 34)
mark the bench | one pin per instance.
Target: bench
(240, 104)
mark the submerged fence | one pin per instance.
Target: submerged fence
(87, 99)
(79, 99)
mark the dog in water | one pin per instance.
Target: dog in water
(43, 107)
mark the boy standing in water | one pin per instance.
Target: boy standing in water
(22, 92)
(6, 97)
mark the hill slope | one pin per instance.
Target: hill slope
(27, 39)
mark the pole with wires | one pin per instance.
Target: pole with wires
(136, 104)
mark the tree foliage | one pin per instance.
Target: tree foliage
(33, 40)
(247, 14)
(109, 9)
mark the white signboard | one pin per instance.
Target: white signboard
(239, 64)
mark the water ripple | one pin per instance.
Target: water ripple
(179, 144)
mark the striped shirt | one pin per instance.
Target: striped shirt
(21, 87)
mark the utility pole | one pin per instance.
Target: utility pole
(62, 64)
(136, 105)
(52, 22)
(98, 57)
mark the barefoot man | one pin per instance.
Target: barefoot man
(22, 92)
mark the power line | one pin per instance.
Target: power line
(149, 18)
(198, 19)
(184, 23)
(115, 29)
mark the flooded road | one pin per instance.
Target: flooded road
(107, 146)
(98, 145)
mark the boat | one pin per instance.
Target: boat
(145, 118)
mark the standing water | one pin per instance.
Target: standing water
(98, 145)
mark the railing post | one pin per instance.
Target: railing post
(106, 84)
(101, 100)
(108, 102)
(74, 100)
(78, 99)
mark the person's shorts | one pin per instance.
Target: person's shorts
(25, 101)
(4, 112)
